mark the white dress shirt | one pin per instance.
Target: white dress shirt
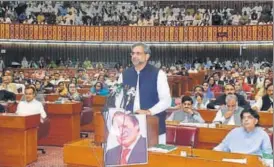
(220, 118)
(32, 107)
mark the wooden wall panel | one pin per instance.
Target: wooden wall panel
(135, 33)
(270, 32)
(138, 33)
(2, 31)
(35, 32)
(45, 32)
(49, 33)
(157, 34)
(167, 34)
(7, 31)
(153, 34)
(162, 34)
(143, 34)
(83, 33)
(40, 32)
(73, 33)
(125, 29)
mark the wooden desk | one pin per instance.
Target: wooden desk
(208, 138)
(64, 123)
(18, 97)
(93, 156)
(83, 90)
(51, 97)
(98, 103)
(266, 119)
(18, 136)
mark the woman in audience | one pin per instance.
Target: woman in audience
(262, 90)
(208, 93)
(39, 87)
(213, 86)
(101, 78)
(99, 89)
(62, 89)
(73, 93)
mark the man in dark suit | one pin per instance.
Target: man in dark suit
(220, 100)
(217, 80)
(132, 148)
(252, 78)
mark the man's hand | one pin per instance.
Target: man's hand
(189, 110)
(147, 112)
(228, 114)
(270, 110)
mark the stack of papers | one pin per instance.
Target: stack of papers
(240, 161)
(162, 148)
(195, 124)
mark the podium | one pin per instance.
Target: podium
(18, 139)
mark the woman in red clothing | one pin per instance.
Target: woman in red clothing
(214, 87)
(245, 86)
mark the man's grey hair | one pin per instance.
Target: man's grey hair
(145, 46)
(231, 97)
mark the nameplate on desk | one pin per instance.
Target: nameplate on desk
(240, 161)
(194, 124)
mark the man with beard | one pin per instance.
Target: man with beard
(229, 90)
(152, 90)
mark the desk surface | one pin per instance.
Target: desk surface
(73, 156)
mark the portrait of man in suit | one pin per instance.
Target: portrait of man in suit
(132, 145)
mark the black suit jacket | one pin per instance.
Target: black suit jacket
(254, 80)
(138, 154)
(221, 101)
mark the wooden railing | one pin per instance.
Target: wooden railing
(133, 33)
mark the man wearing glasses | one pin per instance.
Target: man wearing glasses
(220, 100)
(152, 90)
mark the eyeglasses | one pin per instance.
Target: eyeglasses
(137, 53)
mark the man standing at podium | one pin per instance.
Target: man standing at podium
(152, 90)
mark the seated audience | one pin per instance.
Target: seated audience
(230, 113)
(199, 99)
(73, 94)
(213, 86)
(7, 85)
(31, 105)
(247, 139)
(265, 103)
(220, 100)
(98, 89)
(239, 90)
(262, 90)
(208, 94)
(186, 113)
(62, 89)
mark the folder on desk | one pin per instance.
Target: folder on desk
(162, 148)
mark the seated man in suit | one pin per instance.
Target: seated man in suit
(230, 113)
(220, 100)
(247, 139)
(265, 103)
(186, 113)
(132, 148)
(31, 105)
